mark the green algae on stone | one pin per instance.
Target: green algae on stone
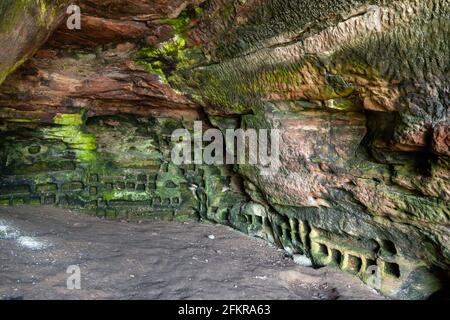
(173, 54)
(35, 18)
(9, 10)
(11, 69)
(181, 23)
(69, 128)
(118, 182)
(166, 58)
(75, 119)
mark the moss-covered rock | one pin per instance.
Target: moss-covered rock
(24, 26)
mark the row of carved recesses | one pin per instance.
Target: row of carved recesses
(352, 261)
(148, 183)
(299, 236)
(26, 191)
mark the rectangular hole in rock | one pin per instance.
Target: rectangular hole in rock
(388, 247)
(370, 263)
(336, 256)
(392, 269)
(354, 263)
(287, 234)
(7, 190)
(142, 178)
(120, 185)
(277, 229)
(294, 232)
(322, 249)
(157, 201)
(50, 199)
(257, 220)
(93, 190)
(62, 201)
(50, 187)
(73, 186)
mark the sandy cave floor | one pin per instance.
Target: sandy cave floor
(151, 260)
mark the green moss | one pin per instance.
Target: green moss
(171, 55)
(34, 202)
(184, 19)
(126, 195)
(179, 24)
(199, 11)
(16, 202)
(245, 80)
(168, 48)
(166, 58)
(21, 120)
(341, 104)
(153, 69)
(73, 136)
(182, 217)
(10, 11)
(69, 128)
(13, 68)
(69, 119)
(46, 13)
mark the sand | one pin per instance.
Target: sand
(151, 260)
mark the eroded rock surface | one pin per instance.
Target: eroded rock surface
(358, 89)
(24, 26)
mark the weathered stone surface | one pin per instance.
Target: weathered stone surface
(136, 9)
(360, 92)
(97, 31)
(112, 166)
(24, 26)
(441, 138)
(105, 82)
